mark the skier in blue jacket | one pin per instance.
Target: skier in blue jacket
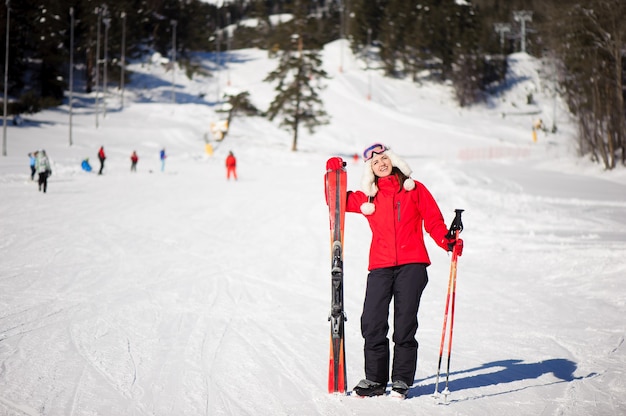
(33, 159)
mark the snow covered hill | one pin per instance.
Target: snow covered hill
(177, 292)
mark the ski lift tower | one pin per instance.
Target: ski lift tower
(523, 16)
(502, 29)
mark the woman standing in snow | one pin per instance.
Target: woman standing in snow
(397, 208)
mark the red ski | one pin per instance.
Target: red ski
(336, 184)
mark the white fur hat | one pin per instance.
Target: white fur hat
(368, 184)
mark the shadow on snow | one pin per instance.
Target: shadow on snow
(505, 371)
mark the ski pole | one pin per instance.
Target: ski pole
(446, 391)
(455, 229)
(443, 336)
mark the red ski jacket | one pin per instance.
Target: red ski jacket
(398, 222)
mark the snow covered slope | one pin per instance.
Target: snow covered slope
(181, 293)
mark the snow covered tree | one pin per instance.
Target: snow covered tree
(298, 76)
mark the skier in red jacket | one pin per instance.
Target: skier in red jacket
(398, 209)
(101, 157)
(134, 158)
(231, 166)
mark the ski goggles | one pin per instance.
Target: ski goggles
(374, 149)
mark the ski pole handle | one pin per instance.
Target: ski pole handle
(457, 225)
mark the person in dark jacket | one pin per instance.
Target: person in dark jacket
(398, 210)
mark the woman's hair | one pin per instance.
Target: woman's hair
(399, 175)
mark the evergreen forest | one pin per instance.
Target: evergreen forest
(462, 42)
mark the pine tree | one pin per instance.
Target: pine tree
(396, 34)
(297, 99)
(468, 64)
(367, 16)
(299, 75)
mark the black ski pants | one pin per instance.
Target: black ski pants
(43, 181)
(405, 285)
(101, 165)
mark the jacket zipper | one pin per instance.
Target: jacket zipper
(395, 232)
(398, 207)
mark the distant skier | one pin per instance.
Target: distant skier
(42, 165)
(101, 157)
(133, 161)
(32, 160)
(85, 165)
(231, 166)
(162, 156)
(398, 209)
